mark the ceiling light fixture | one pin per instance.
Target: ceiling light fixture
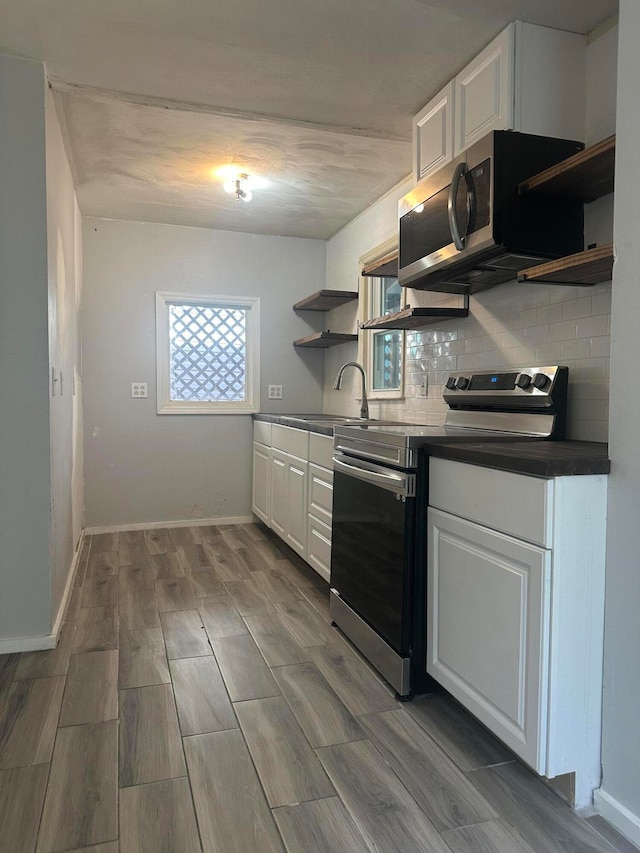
(240, 186)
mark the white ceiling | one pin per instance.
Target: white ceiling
(314, 95)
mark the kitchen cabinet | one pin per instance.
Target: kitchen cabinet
(293, 489)
(516, 609)
(529, 78)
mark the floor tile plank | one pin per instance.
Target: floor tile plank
(150, 746)
(174, 594)
(194, 557)
(276, 586)
(352, 680)
(464, 740)
(181, 536)
(309, 628)
(104, 542)
(220, 617)
(618, 841)
(206, 582)
(287, 766)
(318, 597)
(8, 667)
(137, 577)
(245, 673)
(232, 812)
(184, 634)
(91, 692)
(248, 597)
(321, 826)
(21, 797)
(388, 818)
(227, 565)
(102, 564)
(139, 610)
(158, 817)
(96, 630)
(158, 541)
(167, 565)
(201, 697)
(49, 662)
(321, 714)
(81, 806)
(142, 659)
(132, 549)
(493, 836)
(101, 591)
(28, 721)
(274, 639)
(537, 814)
(439, 787)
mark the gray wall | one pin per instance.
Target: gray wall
(25, 596)
(621, 731)
(143, 467)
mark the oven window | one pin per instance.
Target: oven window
(372, 554)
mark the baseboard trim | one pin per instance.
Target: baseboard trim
(619, 816)
(157, 525)
(57, 625)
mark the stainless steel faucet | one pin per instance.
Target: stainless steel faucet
(364, 408)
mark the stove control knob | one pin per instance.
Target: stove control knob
(462, 383)
(541, 381)
(451, 383)
(524, 380)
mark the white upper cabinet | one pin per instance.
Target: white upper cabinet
(529, 78)
(484, 93)
(433, 134)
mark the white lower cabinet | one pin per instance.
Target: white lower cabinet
(515, 610)
(293, 489)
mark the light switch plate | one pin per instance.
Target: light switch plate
(139, 389)
(275, 392)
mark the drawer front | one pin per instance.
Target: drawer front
(320, 493)
(321, 449)
(262, 432)
(515, 504)
(293, 441)
(319, 547)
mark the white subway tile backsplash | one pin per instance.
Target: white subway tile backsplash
(577, 348)
(536, 335)
(576, 308)
(592, 327)
(562, 331)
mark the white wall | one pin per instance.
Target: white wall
(619, 798)
(25, 595)
(509, 325)
(64, 288)
(143, 467)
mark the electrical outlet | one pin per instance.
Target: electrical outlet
(275, 392)
(139, 389)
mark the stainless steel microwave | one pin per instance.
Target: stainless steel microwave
(466, 227)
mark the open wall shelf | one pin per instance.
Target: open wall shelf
(582, 269)
(325, 300)
(415, 318)
(322, 340)
(587, 175)
(386, 266)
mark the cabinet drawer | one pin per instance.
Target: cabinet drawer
(319, 547)
(515, 504)
(293, 441)
(320, 492)
(262, 432)
(321, 449)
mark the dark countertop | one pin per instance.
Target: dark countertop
(294, 421)
(537, 458)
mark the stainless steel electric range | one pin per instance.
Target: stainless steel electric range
(380, 498)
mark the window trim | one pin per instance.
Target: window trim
(166, 406)
(367, 307)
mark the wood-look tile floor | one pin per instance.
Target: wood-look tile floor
(199, 700)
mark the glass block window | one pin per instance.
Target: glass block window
(207, 354)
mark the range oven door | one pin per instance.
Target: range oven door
(372, 553)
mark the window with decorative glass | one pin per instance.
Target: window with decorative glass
(208, 354)
(383, 349)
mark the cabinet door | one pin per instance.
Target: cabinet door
(278, 498)
(488, 625)
(296, 505)
(484, 92)
(261, 472)
(320, 493)
(433, 134)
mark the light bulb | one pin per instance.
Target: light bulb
(246, 195)
(230, 185)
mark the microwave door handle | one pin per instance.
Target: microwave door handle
(458, 239)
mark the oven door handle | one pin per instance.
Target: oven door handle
(393, 481)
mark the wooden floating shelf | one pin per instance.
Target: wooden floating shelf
(322, 340)
(415, 318)
(587, 175)
(582, 269)
(325, 300)
(386, 266)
